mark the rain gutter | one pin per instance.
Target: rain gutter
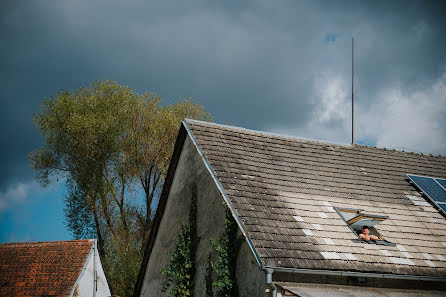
(358, 274)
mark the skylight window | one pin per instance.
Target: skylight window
(433, 188)
(357, 220)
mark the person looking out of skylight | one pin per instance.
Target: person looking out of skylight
(365, 235)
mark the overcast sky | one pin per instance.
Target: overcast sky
(277, 66)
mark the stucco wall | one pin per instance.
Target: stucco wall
(250, 278)
(85, 286)
(210, 224)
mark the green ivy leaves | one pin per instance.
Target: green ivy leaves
(181, 267)
(220, 275)
(227, 247)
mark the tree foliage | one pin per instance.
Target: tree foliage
(110, 144)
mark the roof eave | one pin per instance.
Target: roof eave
(357, 274)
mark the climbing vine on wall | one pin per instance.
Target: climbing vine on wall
(180, 270)
(208, 278)
(227, 247)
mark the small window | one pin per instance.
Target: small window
(357, 219)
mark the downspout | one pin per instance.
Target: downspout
(269, 281)
(95, 274)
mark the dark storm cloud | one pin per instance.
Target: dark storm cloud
(251, 63)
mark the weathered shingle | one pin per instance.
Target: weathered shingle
(41, 268)
(270, 180)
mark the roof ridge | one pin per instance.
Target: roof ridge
(308, 140)
(299, 138)
(47, 242)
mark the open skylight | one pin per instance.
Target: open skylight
(357, 219)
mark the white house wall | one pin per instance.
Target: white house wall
(85, 286)
(210, 225)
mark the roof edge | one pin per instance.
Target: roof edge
(223, 193)
(44, 242)
(84, 268)
(319, 141)
(358, 274)
(271, 133)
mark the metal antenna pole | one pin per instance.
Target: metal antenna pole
(353, 43)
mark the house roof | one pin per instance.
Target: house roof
(283, 192)
(42, 268)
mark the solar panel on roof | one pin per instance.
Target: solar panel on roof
(432, 188)
(441, 182)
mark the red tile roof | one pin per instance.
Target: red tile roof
(42, 268)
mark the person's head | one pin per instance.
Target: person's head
(365, 230)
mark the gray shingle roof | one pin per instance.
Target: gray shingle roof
(271, 179)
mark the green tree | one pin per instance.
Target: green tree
(110, 144)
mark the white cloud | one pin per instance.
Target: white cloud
(17, 194)
(13, 195)
(412, 120)
(330, 120)
(331, 98)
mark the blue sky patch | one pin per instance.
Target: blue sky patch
(331, 38)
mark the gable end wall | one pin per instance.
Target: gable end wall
(210, 224)
(85, 287)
